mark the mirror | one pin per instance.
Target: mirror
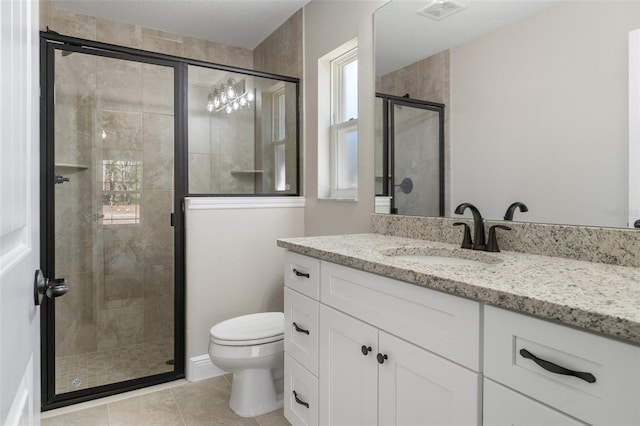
(536, 97)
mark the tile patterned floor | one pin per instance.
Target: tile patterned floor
(83, 371)
(191, 404)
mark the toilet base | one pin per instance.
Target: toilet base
(253, 393)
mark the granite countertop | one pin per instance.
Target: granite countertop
(593, 296)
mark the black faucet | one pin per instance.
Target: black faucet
(512, 208)
(479, 242)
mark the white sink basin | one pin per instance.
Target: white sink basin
(439, 260)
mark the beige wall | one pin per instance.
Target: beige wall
(542, 116)
(328, 25)
(234, 268)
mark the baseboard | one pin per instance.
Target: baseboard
(200, 368)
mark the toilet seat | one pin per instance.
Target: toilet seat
(248, 330)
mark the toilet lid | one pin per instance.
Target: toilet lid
(249, 329)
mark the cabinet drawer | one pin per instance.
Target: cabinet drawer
(614, 396)
(301, 329)
(302, 273)
(444, 324)
(504, 407)
(301, 407)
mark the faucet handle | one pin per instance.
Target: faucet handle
(493, 241)
(466, 240)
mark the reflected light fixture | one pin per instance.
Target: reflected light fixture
(230, 97)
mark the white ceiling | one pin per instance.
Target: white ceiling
(403, 37)
(243, 23)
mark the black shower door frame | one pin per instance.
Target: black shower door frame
(49, 43)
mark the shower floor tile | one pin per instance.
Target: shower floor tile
(88, 370)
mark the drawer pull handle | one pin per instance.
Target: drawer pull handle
(299, 401)
(381, 358)
(365, 350)
(555, 368)
(300, 330)
(300, 274)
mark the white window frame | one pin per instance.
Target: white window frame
(340, 124)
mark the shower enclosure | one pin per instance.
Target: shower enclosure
(126, 135)
(409, 155)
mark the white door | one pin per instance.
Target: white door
(348, 378)
(19, 214)
(417, 387)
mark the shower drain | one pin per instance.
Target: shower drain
(76, 382)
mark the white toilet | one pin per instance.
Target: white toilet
(252, 348)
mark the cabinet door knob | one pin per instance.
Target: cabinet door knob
(381, 358)
(300, 330)
(365, 350)
(299, 401)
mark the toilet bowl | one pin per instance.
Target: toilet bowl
(252, 348)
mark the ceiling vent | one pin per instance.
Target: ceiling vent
(440, 9)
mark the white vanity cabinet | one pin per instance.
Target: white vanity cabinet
(388, 352)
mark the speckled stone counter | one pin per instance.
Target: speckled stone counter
(594, 296)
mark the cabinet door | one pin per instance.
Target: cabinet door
(504, 407)
(348, 378)
(417, 387)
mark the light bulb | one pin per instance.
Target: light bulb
(231, 88)
(236, 105)
(223, 98)
(243, 101)
(228, 109)
(210, 103)
(104, 135)
(250, 95)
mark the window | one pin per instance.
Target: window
(344, 125)
(121, 191)
(278, 127)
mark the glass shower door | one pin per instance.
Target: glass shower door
(113, 196)
(416, 151)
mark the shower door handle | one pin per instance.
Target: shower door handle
(51, 288)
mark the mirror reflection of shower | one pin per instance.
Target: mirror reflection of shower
(409, 156)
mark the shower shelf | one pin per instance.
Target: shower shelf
(238, 172)
(72, 166)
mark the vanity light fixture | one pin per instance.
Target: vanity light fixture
(440, 9)
(230, 97)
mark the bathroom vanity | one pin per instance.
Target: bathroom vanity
(384, 330)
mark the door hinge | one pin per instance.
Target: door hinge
(173, 219)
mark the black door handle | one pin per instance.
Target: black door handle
(365, 350)
(51, 288)
(300, 274)
(299, 401)
(381, 358)
(300, 330)
(555, 368)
